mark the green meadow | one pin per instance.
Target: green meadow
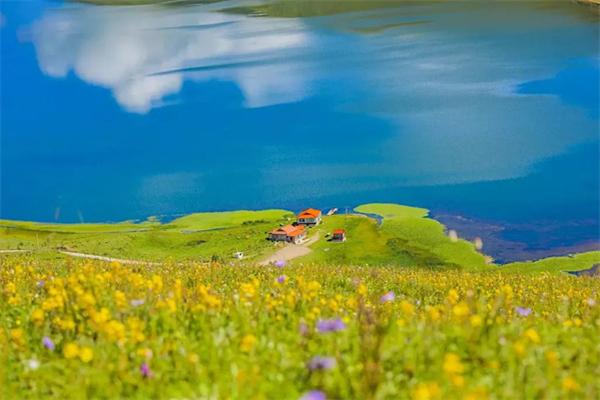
(377, 235)
(202, 236)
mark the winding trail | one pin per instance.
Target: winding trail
(291, 251)
(108, 259)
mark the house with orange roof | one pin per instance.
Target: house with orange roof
(339, 235)
(310, 216)
(289, 233)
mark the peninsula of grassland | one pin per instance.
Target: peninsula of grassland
(377, 235)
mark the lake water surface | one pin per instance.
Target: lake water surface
(485, 113)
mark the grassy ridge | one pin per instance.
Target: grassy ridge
(197, 236)
(406, 237)
(576, 262)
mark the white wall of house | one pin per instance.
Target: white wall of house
(309, 221)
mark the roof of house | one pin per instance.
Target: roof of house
(339, 232)
(297, 231)
(283, 230)
(288, 230)
(309, 213)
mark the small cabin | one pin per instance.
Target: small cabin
(310, 216)
(339, 235)
(289, 233)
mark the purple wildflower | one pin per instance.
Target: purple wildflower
(523, 311)
(314, 395)
(330, 325)
(145, 370)
(280, 263)
(318, 363)
(40, 283)
(281, 278)
(48, 343)
(389, 296)
(137, 302)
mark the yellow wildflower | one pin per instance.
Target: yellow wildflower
(17, 336)
(476, 321)
(453, 296)
(461, 310)
(361, 289)
(532, 335)
(407, 308)
(120, 299)
(247, 344)
(519, 348)
(452, 364)
(569, 384)
(433, 312)
(71, 350)
(426, 391)
(86, 354)
(37, 316)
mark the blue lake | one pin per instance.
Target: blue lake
(485, 113)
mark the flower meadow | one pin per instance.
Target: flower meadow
(77, 329)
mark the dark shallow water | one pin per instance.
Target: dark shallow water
(486, 113)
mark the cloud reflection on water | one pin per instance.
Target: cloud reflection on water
(436, 101)
(127, 49)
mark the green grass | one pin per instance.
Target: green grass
(194, 237)
(406, 237)
(126, 226)
(310, 8)
(228, 219)
(576, 262)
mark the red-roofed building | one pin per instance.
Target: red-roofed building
(339, 235)
(310, 216)
(288, 233)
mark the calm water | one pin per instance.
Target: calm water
(487, 112)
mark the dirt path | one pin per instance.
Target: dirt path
(109, 259)
(291, 251)
(13, 251)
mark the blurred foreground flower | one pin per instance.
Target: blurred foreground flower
(318, 363)
(137, 302)
(330, 325)
(314, 395)
(248, 343)
(389, 296)
(523, 311)
(33, 364)
(48, 343)
(145, 370)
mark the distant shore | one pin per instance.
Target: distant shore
(589, 2)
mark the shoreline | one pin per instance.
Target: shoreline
(505, 250)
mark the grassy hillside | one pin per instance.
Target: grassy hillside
(81, 329)
(194, 237)
(406, 237)
(576, 262)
